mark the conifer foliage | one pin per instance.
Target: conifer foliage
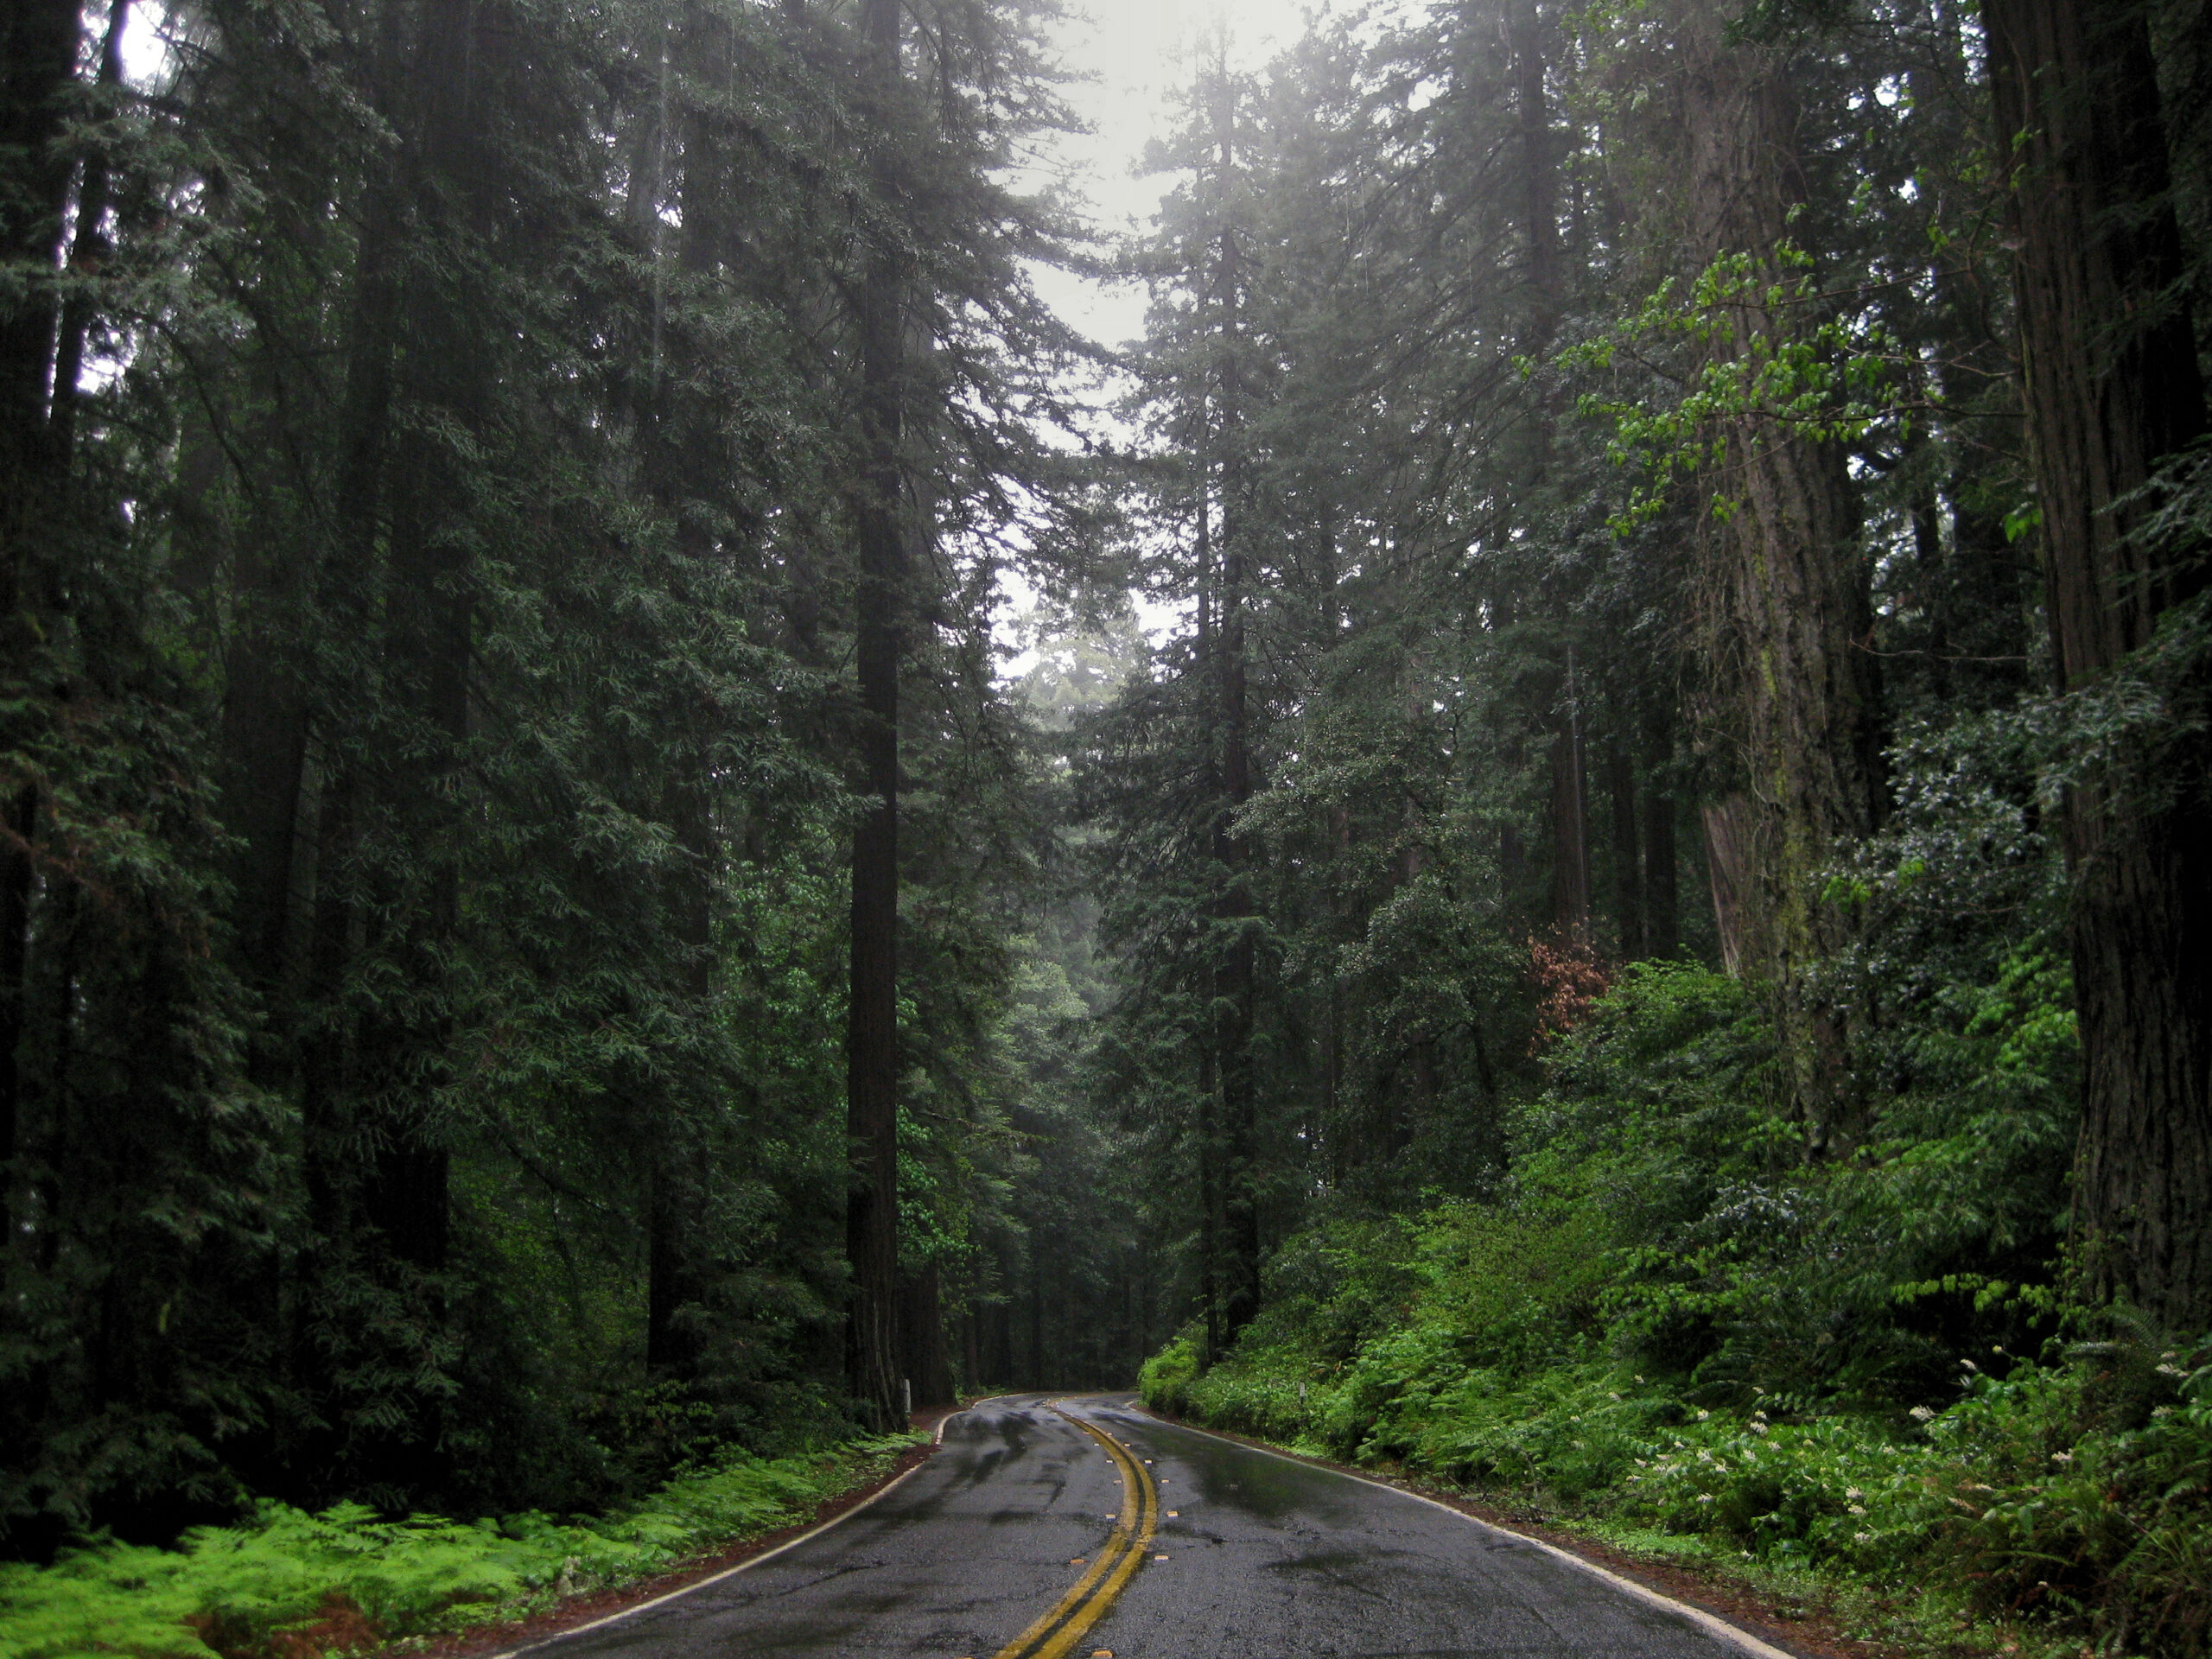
(1614, 769)
(451, 452)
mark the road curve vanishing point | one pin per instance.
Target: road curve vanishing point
(1183, 1545)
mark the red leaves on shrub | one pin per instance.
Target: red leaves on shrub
(1569, 977)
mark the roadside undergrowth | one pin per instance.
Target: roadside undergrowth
(2024, 1518)
(1868, 1374)
(294, 1586)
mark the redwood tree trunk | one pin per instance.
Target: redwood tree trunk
(38, 53)
(1662, 931)
(1570, 820)
(1240, 1261)
(872, 1028)
(1627, 873)
(2111, 385)
(1787, 585)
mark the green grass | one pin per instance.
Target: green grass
(292, 1585)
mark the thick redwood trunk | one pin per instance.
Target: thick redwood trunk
(872, 1027)
(2111, 386)
(1788, 597)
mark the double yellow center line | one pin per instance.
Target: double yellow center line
(1064, 1622)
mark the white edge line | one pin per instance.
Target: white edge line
(1712, 1623)
(745, 1566)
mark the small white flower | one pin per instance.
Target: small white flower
(1639, 1379)
(1610, 1394)
(2061, 1457)
(1702, 1415)
(2162, 1411)
(1856, 1509)
(2169, 1354)
(1862, 1538)
(1705, 1497)
(1757, 1428)
(2172, 1371)
(1853, 1491)
(1969, 1364)
(1921, 1414)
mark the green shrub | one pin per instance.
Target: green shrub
(1666, 1315)
(1165, 1380)
(345, 1578)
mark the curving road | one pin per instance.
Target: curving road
(1058, 1529)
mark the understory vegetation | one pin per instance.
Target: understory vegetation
(292, 1585)
(1660, 1320)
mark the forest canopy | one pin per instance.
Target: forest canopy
(1603, 773)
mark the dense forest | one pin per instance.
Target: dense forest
(1602, 774)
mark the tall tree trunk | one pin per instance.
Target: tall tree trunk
(38, 55)
(1240, 1286)
(1787, 584)
(1732, 858)
(1662, 929)
(872, 1028)
(2111, 385)
(1628, 874)
(1570, 818)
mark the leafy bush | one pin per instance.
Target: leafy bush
(1165, 1380)
(296, 1585)
(1671, 1318)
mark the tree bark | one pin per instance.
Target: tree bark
(1570, 818)
(1662, 931)
(1235, 1005)
(38, 52)
(872, 1028)
(2111, 385)
(1787, 586)
(1628, 874)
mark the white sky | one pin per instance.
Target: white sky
(1138, 53)
(1135, 56)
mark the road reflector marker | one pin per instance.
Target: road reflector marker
(1160, 1558)
(1173, 1514)
(1076, 1561)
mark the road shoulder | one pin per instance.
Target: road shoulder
(597, 1606)
(1811, 1631)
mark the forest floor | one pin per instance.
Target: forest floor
(1798, 1612)
(576, 1611)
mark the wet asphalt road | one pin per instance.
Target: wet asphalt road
(1264, 1559)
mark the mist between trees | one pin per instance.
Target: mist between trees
(538, 947)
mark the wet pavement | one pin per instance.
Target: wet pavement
(1024, 1537)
